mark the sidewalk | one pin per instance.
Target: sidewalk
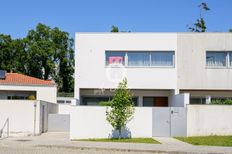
(61, 141)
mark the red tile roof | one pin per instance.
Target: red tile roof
(20, 79)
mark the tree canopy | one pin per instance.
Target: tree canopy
(45, 53)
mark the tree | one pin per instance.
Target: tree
(200, 25)
(114, 29)
(6, 54)
(51, 56)
(121, 108)
(20, 64)
(45, 53)
(230, 30)
(13, 57)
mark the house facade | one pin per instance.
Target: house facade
(162, 69)
(15, 86)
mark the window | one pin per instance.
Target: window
(60, 101)
(216, 59)
(148, 101)
(230, 59)
(162, 58)
(115, 58)
(68, 102)
(138, 58)
(197, 100)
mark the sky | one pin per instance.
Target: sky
(19, 16)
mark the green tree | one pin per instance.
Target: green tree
(230, 30)
(13, 57)
(6, 54)
(51, 56)
(41, 51)
(200, 25)
(121, 108)
(64, 55)
(45, 53)
(114, 29)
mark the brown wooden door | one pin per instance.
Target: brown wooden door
(161, 101)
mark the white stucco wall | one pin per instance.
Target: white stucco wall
(45, 93)
(25, 116)
(179, 100)
(64, 108)
(90, 122)
(192, 70)
(91, 71)
(20, 114)
(205, 120)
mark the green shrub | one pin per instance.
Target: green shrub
(31, 97)
(222, 101)
(105, 103)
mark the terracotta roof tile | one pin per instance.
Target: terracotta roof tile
(20, 79)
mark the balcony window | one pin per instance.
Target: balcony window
(162, 58)
(115, 58)
(138, 58)
(216, 59)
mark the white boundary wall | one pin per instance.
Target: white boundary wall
(24, 116)
(205, 120)
(90, 122)
(20, 115)
(64, 108)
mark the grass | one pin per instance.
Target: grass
(208, 140)
(128, 140)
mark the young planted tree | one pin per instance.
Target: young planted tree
(200, 25)
(121, 108)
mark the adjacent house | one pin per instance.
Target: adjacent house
(162, 69)
(15, 86)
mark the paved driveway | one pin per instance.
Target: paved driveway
(59, 143)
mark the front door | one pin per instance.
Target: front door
(155, 101)
(161, 101)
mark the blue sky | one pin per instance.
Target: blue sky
(18, 16)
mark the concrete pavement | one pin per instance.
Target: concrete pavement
(60, 142)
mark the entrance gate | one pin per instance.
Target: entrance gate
(169, 121)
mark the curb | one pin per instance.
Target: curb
(121, 150)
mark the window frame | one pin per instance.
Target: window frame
(141, 51)
(215, 67)
(124, 59)
(149, 58)
(227, 59)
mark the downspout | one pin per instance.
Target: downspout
(35, 105)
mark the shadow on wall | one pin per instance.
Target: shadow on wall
(4, 131)
(126, 133)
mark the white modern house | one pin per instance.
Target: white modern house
(15, 86)
(162, 69)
